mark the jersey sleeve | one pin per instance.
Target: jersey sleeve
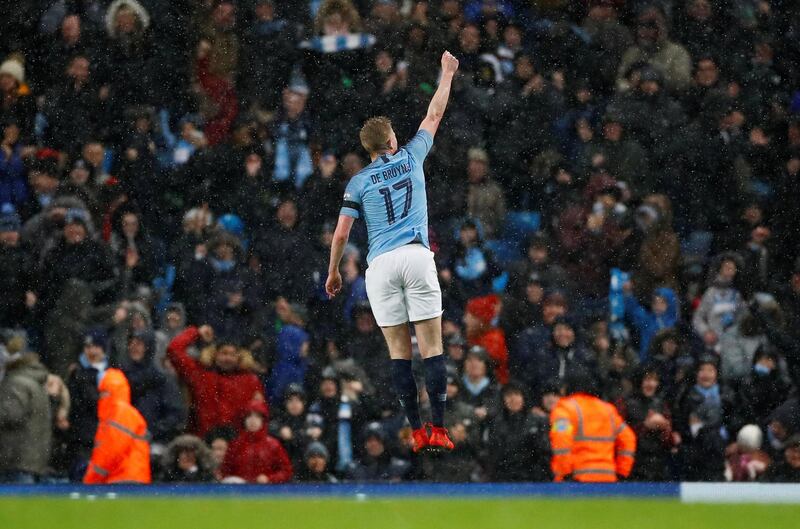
(420, 145)
(351, 205)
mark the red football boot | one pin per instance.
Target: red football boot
(420, 437)
(440, 439)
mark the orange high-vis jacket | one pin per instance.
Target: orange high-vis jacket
(590, 441)
(121, 451)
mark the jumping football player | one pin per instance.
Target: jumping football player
(402, 282)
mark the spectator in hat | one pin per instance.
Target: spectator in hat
(255, 456)
(480, 329)
(378, 464)
(524, 453)
(187, 459)
(485, 199)
(455, 352)
(653, 46)
(288, 424)
(16, 101)
(291, 351)
(25, 418)
(745, 461)
(82, 386)
(221, 382)
(314, 468)
(16, 272)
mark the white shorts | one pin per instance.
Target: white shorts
(402, 286)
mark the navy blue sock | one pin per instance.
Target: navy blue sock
(406, 388)
(436, 384)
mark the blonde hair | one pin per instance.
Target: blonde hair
(344, 8)
(246, 360)
(375, 134)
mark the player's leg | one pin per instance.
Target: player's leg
(398, 339)
(385, 292)
(424, 302)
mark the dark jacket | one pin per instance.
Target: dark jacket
(172, 473)
(157, 398)
(25, 424)
(519, 447)
(652, 446)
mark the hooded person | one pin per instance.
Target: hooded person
(121, 451)
(25, 418)
(153, 393)
(663, 314)
(315, 465)
(187, 459)
(654, 47)
(255, 456)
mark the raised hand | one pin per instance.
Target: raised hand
(449, 63)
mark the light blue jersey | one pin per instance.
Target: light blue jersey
(390, 194)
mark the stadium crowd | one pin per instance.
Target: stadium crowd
(613, 191)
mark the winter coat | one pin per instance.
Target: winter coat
(652, 446)
(291, 362)
(217, 398)
(121, 452)
(296, 446)
(519, 447)
(255, 453)
(553, 364)
(203, 473)
(486, 202)
(269, 48)
(648, 323)
(382, 468)
(89, 261)
(82, 385)
(719, 309)
(669, 58)
(13, 178)
(25, 423)
(157, 398)
(16, 278)
(736, 351)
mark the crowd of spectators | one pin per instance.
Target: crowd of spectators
(612, 189)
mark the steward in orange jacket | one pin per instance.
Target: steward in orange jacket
(589, 439)
(121, 451)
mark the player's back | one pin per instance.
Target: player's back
(390, 193)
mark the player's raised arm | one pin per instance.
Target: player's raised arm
(439, 101)
(334, 282)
